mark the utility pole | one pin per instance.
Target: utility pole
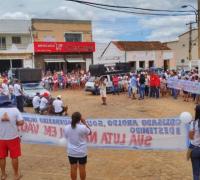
(198, 18)
(190, 45)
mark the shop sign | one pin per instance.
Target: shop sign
(64, 47)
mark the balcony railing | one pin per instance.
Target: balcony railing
(16, 48)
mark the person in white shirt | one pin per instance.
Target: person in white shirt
(10, 119)
(19, 96)
(11, 92)
(5, 90)
(76, 134)
(194, 136)
(44, 103)
(36, 103)
(58, 106)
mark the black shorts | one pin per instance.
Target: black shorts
(76, 160)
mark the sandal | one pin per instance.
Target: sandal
(19, 177)
(4, 177)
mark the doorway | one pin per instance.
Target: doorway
(54, 66)
(166, 65)
(6, 64)
(151, 64)
(133, 65)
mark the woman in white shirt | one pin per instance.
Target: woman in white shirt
(194, 136)
(76, 134)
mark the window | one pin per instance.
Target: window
(151, 64)
(73, 37)
(16, 40)
(2, 43)
(142, 64)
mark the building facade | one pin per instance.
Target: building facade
(16, 48)
(62, 44)
(139, 54)
(181, 48)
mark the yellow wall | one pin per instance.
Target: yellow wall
(57, 29)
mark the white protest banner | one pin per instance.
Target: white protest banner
(156, 134)
(186, 85)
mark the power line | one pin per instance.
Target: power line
(133, 12)
(128, 7)
(128, 12)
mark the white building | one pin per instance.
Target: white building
(181, 48)
(16, 48)
(138, 54)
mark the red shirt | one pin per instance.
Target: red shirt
(157, 81)
(115, 81)
(152, 80)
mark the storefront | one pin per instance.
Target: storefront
(66, 56)
(9, 61)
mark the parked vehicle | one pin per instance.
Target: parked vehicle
(31, 82)
(90, 84)
(30, 90)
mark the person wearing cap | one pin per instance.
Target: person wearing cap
(10, 119)
(58, 106)
(44, 103)
(36, 102)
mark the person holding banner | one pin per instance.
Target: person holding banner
(10, 119)
(194, 136)
(76, 134)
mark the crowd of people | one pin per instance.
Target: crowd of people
(60, 80)
(45, 104)
(149, 84)
(139, 85)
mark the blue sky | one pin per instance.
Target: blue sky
(107, 25)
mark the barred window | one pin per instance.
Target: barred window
(16, 40)
(73, 37)
(2, 42)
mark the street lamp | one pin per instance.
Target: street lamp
(195, 10)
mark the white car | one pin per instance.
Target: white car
(89, 86)
(30, 90)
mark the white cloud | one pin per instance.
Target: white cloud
(107, 25)
(165, 28)
(104, 35)
(15, 15)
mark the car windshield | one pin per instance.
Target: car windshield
(91, 79)
(32, 87)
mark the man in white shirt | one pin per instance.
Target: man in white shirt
(58, 106)
(5, 89)
(44, 103)
(36, 103)
(19, 96)
(10, 119)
